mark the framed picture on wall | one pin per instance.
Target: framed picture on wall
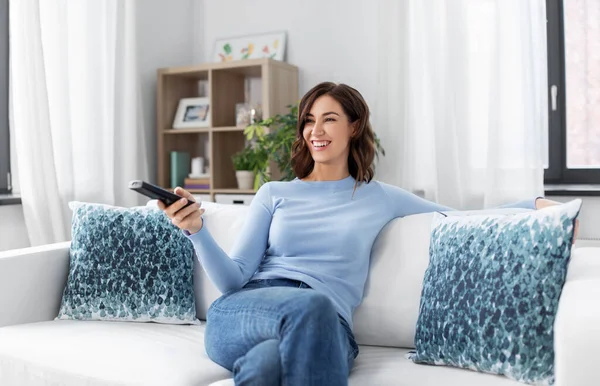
(267, 45)
(192, 112)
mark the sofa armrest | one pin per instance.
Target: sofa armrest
(32, 281)
(577, 325)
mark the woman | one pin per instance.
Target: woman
(297, 271)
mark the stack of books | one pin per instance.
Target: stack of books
(197, 183)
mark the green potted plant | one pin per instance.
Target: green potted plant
(245, 163)
(276, 145)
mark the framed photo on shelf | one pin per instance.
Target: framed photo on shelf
(267, 45)
(192, 112)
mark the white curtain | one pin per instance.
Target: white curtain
(462, 94)
(75, 108)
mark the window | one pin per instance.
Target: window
(4, 139)
(574, 97)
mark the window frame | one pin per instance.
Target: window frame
(557, 171)
(5, 185)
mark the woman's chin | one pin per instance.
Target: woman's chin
(323, 160)
(320, 158)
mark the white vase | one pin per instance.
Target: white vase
(245, 179)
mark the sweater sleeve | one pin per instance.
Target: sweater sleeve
(232, 272)
(405, 203)
(525, 204)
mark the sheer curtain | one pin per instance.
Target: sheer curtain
(462, 95)
(75, 108)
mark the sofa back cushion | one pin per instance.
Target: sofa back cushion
(224, 222)
(388, 313)
(390, 308)
(400, 256)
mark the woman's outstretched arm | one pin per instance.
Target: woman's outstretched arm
(405, 203)
(230, 272)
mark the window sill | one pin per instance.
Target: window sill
(572, 190)
(10, 199)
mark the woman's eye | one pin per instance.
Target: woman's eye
(329, 120)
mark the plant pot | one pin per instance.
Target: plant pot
(245, 179)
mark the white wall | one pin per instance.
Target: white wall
(13, 233)
(328, 40)
(166, 36)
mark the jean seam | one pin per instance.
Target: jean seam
(245, 310)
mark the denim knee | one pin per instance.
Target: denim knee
(260, 366)
(313, 305)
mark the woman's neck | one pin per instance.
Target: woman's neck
(327, 173)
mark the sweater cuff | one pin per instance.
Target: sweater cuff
(199, 237)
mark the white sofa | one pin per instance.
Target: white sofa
(37, 350)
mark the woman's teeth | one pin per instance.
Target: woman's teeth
(321, 144)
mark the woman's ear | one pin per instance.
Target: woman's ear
(354, 131)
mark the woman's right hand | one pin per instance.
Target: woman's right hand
(189, 218)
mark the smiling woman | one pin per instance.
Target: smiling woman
(335, 138)
(297, 270)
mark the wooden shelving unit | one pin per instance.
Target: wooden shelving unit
(226, 86)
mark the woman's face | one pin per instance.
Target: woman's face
(327, 132)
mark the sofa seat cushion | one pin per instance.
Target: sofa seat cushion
(389, 366)
(383, 366)
(99, 353)
(95, 353)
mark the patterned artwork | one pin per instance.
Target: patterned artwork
(251, 47)
(491, 292)
(128, 265)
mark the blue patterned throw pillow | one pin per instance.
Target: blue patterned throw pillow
(491, 291)
(128, 264)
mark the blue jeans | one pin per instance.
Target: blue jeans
(280, 332)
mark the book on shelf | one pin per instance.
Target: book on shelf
(180, 167)
(197, 183)
(188, 187)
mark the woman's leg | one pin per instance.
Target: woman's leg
(260, 366)
(253, 331)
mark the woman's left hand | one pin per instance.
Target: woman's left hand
(541, 203)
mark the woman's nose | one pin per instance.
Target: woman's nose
(317, 128)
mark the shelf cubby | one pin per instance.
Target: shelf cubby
(225, 84)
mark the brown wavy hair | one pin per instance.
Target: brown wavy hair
(362, 142)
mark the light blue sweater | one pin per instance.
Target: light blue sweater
(316, 232)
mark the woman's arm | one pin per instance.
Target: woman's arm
(525, 204)
(405, 203)
(230, 273)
